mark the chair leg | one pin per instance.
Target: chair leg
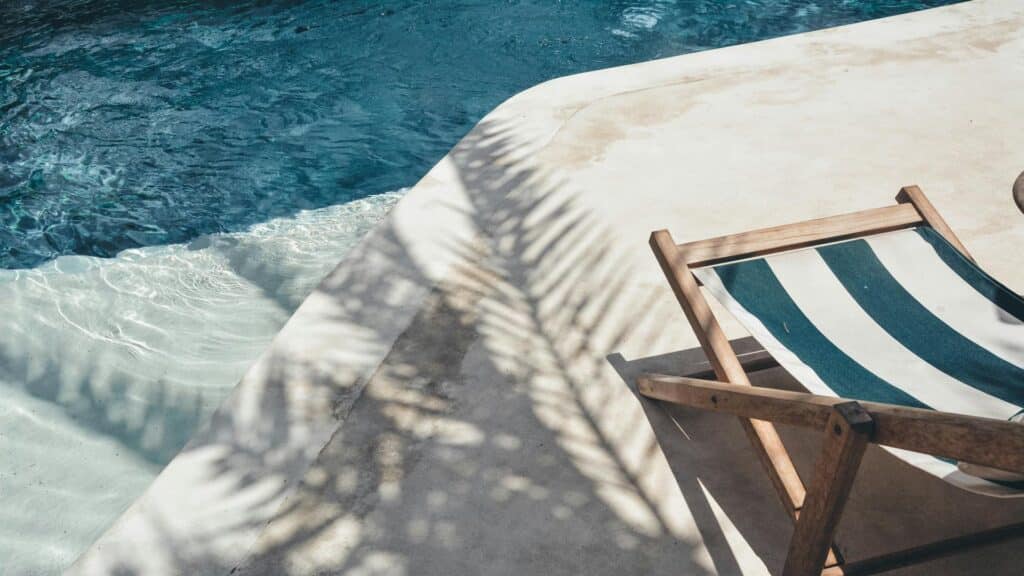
(846, 437)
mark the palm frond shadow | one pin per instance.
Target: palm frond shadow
(485, 438)
(492, 437)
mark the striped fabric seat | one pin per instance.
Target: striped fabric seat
(900, 317)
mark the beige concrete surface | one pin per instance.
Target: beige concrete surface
(456, 397)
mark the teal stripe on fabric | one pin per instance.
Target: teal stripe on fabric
(894, 309)
(988, 286)
(755, 287)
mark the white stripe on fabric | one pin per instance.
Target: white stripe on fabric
(916, 266)
(833, 311)
(810, 380)
(791, 362)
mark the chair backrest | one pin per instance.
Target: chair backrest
(898, 318)
(678, 260)
(883, 305)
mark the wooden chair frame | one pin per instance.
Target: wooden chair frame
(849, 425)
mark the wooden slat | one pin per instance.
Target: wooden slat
(800, 234)
(846, 437)
(779, 406)
(986, 441)
(913, 196)
(928, 552)
(751, 362)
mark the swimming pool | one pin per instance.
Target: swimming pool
(219, 158)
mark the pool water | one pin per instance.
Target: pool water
(175, 177)
(130, 124)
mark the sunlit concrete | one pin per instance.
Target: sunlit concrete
(455, 398)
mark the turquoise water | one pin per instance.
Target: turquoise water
(127, 124)
(176, 176)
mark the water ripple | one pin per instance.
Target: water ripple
(139, 123)
(108, 365)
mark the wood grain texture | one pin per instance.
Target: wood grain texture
(847, 432)
(986, 441)
(763, 436)
(914, 196)
(799, 234)
(751, 362)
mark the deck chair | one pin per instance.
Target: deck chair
(901, 341)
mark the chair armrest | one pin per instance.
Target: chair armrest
(986, 441)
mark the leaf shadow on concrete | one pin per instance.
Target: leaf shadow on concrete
(481, 445)
(495, 436)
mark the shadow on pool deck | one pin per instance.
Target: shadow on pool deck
(479, 445)
(893, 506)
(501, 433)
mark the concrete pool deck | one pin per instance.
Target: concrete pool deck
(456, 397)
